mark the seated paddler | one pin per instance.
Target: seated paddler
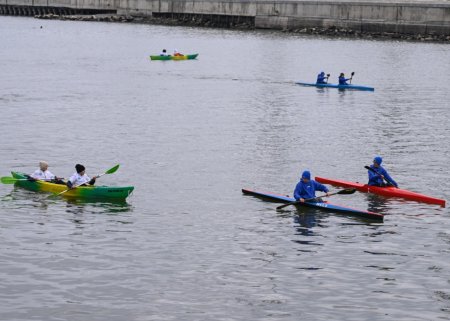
(342, 79)
(378, 173)
(80, 178)
(306, 189)
(322, 78)
(44, 174)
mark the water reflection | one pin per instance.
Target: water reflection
(342, 92)
(44, 201)
(307, 219)
(28, 198)
(113, 206)
(78, 206)
(84, 211)
(376, 203)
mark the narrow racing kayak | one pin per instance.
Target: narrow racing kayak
(82, 192)
(322, 205)
(385, 191)
(355, 87)
(184, 57)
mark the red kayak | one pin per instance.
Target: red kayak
(385, 191)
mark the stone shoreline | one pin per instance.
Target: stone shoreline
(200, 22)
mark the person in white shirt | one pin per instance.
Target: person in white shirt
(43, 173)
(80, 178)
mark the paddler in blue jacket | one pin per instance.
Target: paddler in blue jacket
(342, 79)
(376, 176)
(321, 78)
(306, 188)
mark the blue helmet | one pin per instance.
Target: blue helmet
(378, 160)
(306, 175)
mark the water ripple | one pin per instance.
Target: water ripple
(189, 135)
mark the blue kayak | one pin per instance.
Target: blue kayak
(322, 205)
(355, 87)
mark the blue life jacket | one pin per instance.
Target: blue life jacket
(343, 80)
(308, 190)
(321, 79)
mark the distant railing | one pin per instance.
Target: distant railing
(14, 10)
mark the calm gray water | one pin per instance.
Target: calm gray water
(189, 135)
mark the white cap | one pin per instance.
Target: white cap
(43, 164)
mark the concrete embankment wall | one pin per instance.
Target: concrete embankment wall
(60, 7)
(74, 4)
(364, 17)
(374, 16)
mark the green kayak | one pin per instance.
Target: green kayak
(81, 192)
(184, 57)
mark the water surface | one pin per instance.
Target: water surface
(187, 245)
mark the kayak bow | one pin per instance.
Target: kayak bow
(326, 206)
(355, 87)
(81, 192)
(385, 191)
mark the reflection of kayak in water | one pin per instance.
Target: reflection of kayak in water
(325, 206)
(183, 57)
(355, 87)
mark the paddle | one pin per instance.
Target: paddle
(109, 171)
(352, 76)
(344, 191)
(12, 180)
(328, 76)
(373, 170)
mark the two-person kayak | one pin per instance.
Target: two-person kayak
(81, 192)
(385, 191)
(183, 57)
(325, 206)
(355, 87)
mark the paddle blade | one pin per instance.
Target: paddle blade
(347, 191)
(8, 180)
(112, 170)
(285, 205)
(282, 206)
